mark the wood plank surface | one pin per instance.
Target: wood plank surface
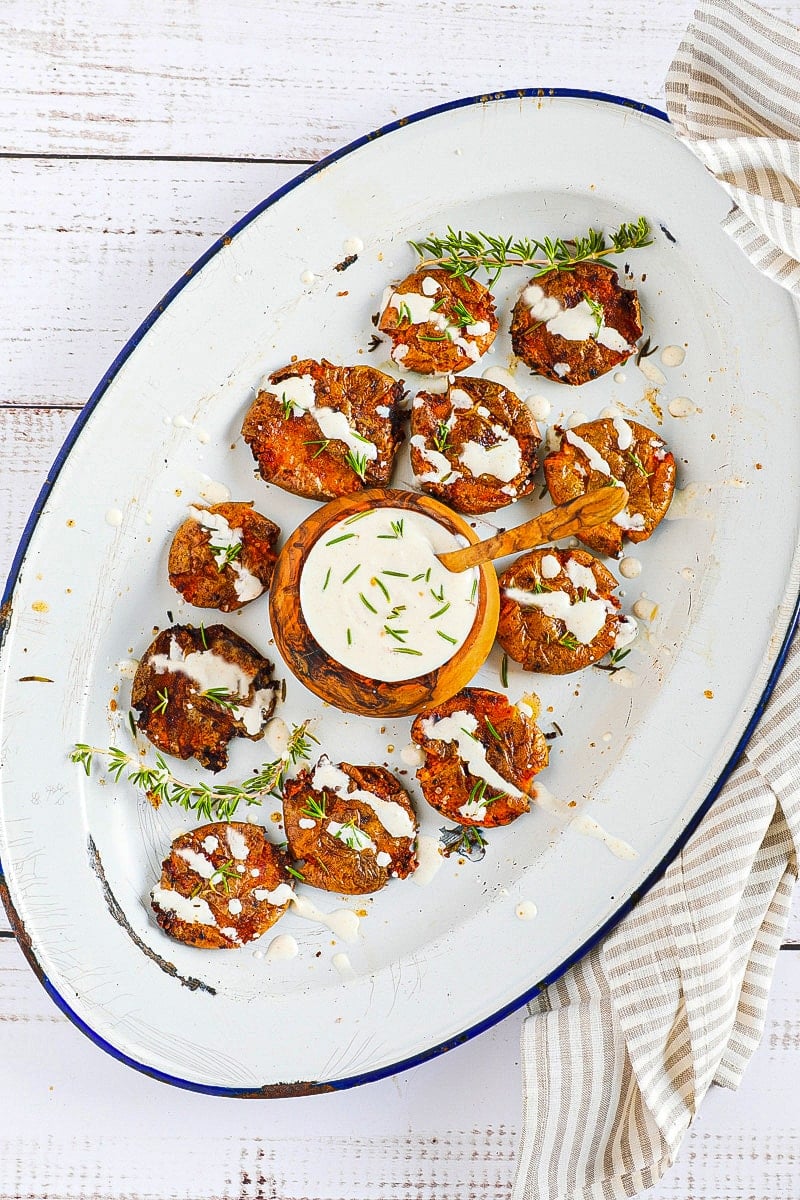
(281, 80)
(87, 249)
(132, 137)
(445, 1131)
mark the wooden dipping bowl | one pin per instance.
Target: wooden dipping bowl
(339, 685)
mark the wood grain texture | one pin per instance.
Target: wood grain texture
(275, 80)
(87, 249)
(444, 1131)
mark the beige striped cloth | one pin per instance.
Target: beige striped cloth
(733, 96)
(618, 1054)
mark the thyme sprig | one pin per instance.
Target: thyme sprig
(212, 802)
(463, 254)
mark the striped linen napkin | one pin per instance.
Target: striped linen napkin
(618, 1054)
(733, 96)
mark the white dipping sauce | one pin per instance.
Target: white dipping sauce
(376, 598)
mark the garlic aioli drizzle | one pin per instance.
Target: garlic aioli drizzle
(377, 599)
(460, 729)
(298, 392)
(246, 585)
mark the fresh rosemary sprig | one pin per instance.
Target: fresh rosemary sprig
(464, 254)
(614, 660)
(569, 641)
(396, 528)
(633, 457)
(597, 311)
(225, 555)
(315, 809)
(218, 802)
(441, 439)
(323, 444)
(163, 701)
(222, 697)
(358, 462)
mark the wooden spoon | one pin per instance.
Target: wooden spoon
(584, 512)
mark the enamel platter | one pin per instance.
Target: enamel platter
(643, 752)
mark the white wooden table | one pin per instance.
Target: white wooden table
(131, 136)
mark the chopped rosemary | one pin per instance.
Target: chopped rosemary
(474, 591)
(297, 874)
(614, 659)
(314, 808)
(357, 516)
(396, 528)
(403, 313)
(438, 596)
(504, 670)
(341, 538)
(439, 611)
(287, 406)
(637, 462)
(323, 444)
(406, 650)
(327, 579)
(221, 696)
(227, 554)
(569, 641)
(397, 634)
(492, 729)
(358, 463)
(383, 587)
(597, 311)
(349, 636)
(441, 439)
(396, 574)
(203, 636)
(163, 698)
(434, 337)
(453, 641)
(464, 316)
(350, 574)
(463, 254)
(366, 602)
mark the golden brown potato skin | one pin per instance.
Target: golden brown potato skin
(534, 639)
(447, 428)
(519, 754)
(326, 861)
(264, 870)
(541, 349)
(425, 348)
(193, 569)
(191, 724)
(289, 449)
(647, 469)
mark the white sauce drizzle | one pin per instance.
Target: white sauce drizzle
(352, 245)
(342, 965)
(673, 356)
(539, 406)
(630, 522)
(596, 460)
(392, 816)
(350, 836)
(276, 735)
(651, 372)
(526, 910)
(234, 907)
(624, 433)
(500, 375)
(114, 516)
(681, 406)
(412, 755)
(583, 618)
(580, 576)
(299, 391)
(542, 307)
(201, 865)
(430, 859)
(282, 947)
(343, 922)
(192, 910)
(209, 670)
(246, 585)
(550, 567)
(630, 567)
(441, 467)
(210, 844)
(356, 559)
(580, 822)
(237, 843)
(502, 461)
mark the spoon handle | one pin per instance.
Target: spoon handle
(584, 512)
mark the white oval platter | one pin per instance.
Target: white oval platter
(642, 751)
